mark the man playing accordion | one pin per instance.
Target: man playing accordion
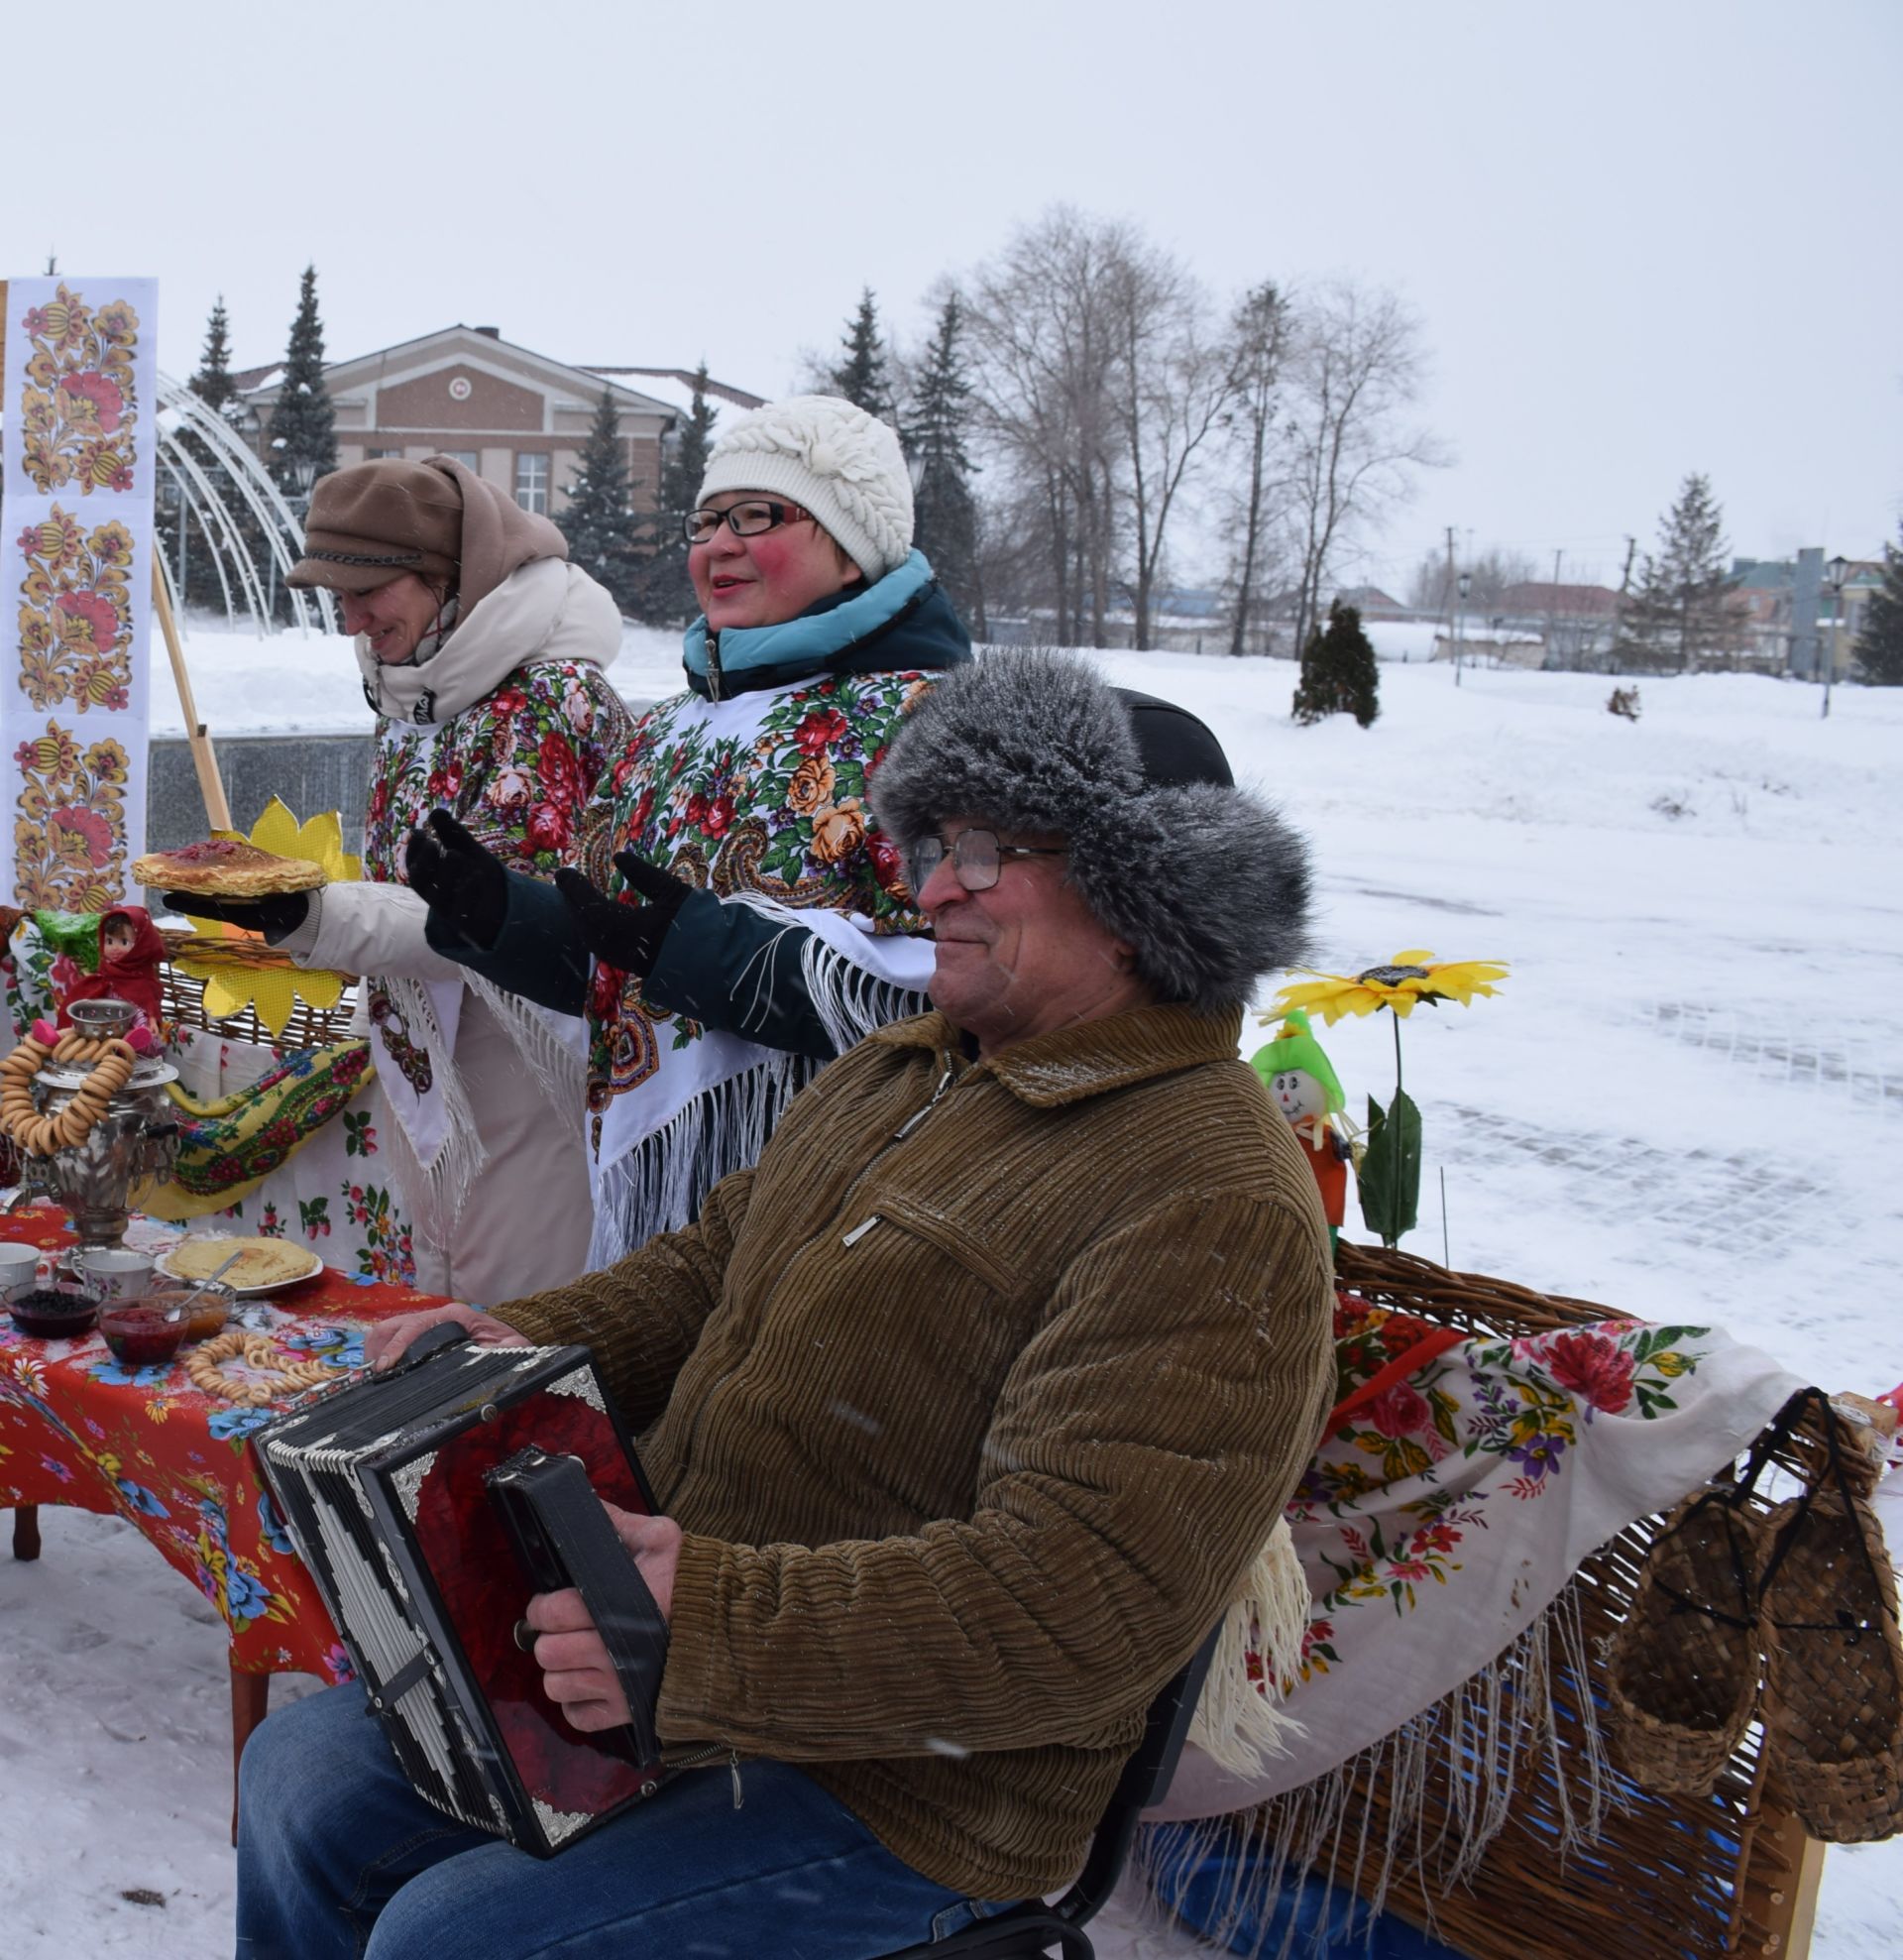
(966, 1410)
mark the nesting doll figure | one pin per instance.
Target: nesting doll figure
(1303, 1084)
(127, 956)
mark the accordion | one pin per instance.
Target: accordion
(428, 1504)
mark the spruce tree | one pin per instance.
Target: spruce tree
(659, 593)
(1339, 674)
(860, 376)
(197, 555)
(597, 522)
(302, 427)
(945, 512)
(1880, 641)
(1683, 612)
(212, 383)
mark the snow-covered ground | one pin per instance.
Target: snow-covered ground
(1687, 1101)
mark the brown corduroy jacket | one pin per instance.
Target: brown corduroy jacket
(975, 1400)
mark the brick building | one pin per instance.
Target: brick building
(518, 419)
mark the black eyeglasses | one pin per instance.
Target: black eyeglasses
(743, 520)
(976, 858)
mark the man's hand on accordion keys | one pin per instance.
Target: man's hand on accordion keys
(577, 1672)
(387, 1340)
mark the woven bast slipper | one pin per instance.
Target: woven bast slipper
(1833, 1697)
(1682, 1668)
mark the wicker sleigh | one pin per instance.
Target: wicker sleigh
(1733, 1872)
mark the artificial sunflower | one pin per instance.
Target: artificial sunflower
(1388, 1169)
(238, 969)
(1409, 977)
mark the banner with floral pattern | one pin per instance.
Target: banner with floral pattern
(78, 381)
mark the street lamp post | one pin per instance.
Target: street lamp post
(1460, 621)
(1835, 571)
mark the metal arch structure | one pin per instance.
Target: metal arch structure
(221, 483)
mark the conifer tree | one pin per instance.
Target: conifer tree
(214, 384)
(599, 523)
(659, 593)
(1339, 675)
(302, 427)
(861, 376)
(191, 559)
(1880, 641)
(1684, 611)
(946, 513)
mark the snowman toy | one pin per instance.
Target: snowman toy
(1303, 1085)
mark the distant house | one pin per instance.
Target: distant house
(1374, 604)
(518, 419)
(1793, 609)
(1577, 622)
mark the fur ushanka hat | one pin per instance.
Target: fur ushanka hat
(1206, 881)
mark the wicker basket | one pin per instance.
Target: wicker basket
(1671, 1876)
(183, 1001)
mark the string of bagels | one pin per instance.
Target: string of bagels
(110, 1063)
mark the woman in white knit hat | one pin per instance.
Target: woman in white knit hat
(756, 922)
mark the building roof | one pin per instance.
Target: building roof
(1573, 602)
(676, 385)
(447, 344)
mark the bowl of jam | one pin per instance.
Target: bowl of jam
(141, 1334)
(50, 1311)
(206, 1307)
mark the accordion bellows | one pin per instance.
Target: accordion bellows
(382, 1487)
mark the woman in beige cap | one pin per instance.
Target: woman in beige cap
(483, 654)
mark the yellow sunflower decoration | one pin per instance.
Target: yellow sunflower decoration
(238, 969)
(1411, 977)
(1388, 1171)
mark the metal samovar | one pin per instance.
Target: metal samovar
(102, 1180)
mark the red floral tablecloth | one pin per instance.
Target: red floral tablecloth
(76, 1428)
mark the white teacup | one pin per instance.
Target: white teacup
(112, 1273)
(18, 1264)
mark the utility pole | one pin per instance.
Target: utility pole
(1552, 610)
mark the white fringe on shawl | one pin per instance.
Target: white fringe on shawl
(448, 1171)
(1475, 1745)
(657, 1185)
(1236, 1724)
(558, 1071)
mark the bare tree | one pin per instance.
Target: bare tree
(1257, 347)
(1173, 388)
(1490, 573)
(1354, 373)
(1042, 343)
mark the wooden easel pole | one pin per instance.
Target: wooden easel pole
(217, 810)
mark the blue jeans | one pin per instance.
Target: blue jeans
(338, 1856)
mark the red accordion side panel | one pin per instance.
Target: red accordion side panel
(484, 1592)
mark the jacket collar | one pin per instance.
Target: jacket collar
(903, 622)
(1076, 1063)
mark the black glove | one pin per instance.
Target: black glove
(618, 934)
(276, 917)
(464, 885)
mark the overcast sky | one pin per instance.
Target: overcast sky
(1643, 238)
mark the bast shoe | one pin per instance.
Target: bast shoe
(1833, 1697)
(1682, 1667)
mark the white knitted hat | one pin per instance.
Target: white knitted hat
(833, 460)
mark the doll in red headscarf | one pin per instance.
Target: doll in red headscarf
(130, 952)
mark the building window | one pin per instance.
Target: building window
(378, 455)
(531, 481)
(466, 457)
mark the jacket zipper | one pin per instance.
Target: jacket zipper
(851, 1238)
(712, 664)
(899, 1135)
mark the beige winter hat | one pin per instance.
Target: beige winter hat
(834, 460)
